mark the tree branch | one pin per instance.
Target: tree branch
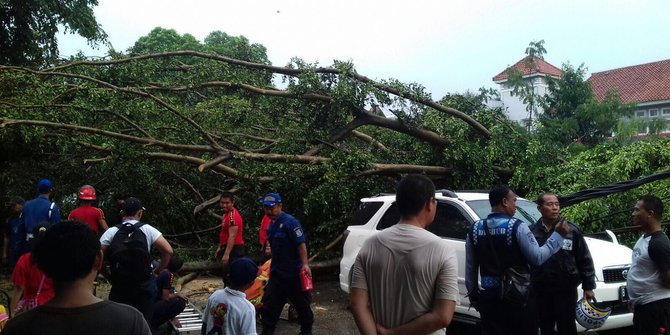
(479, 128)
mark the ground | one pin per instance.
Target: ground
(331, 315)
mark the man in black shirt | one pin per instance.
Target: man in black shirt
(557, 279)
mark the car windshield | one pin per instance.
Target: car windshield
(525, 210)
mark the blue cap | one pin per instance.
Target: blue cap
(271, 199)
(243, 271)
(44, 186)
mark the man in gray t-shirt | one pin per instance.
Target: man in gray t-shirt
(649, 274)
(405, 278)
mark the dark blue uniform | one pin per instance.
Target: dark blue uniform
(285, 234)
(37, 211)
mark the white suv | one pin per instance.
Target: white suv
(456, 212)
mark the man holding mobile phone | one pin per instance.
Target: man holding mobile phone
(557, 279)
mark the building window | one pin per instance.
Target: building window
(653, 112)
(666, 111)
(639, 113)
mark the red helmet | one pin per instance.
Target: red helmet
(86, 192)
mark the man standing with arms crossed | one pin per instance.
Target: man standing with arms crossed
(649, 274)
(405, 279)
(231, 243)
(557, 279)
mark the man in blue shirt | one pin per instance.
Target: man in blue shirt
(289, 258)
(499, 242)
(40, 209)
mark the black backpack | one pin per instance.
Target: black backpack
(129, 259)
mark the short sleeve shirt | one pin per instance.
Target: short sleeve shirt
(150, 232)
(263, 232)
(232, 218)
(165, 281)
(89, 215)
(229, 312)
(423, 267)
(38, 210)
(651, 257)
(27, 276)
(285, 234)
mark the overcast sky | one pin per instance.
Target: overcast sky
(448, 46)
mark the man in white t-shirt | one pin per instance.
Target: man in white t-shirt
(405, 278)
(134, 287)
(228, 311)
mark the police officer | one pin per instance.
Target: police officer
(556, 280)
(494, 244)
(289, 260)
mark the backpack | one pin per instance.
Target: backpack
(129, 259)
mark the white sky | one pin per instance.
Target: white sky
(446, 45)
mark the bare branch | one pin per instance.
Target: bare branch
(478, 127)
(405, 168)
(125, 119)
(214, 161)
(120, 89)
(367, 138)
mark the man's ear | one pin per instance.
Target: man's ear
(98, 262)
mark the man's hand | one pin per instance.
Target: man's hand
(562, 227)
(216, 253)
(308, 271)
(225, 259)
(381, 330)
(589, 295)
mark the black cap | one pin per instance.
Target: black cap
(131, 206)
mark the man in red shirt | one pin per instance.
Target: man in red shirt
(88, 214)
(231, 244)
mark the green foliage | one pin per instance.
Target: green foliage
(28, 29)
(572, 114)
(188, 100)
(606, 163)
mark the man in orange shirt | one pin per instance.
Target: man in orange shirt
(231, 244)
(93, 216)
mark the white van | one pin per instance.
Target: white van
(458, 210)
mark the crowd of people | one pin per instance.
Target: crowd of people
(520, 279)
(405, 279)
(54, 264)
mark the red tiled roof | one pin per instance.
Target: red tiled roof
(541, 66)
(636, 84)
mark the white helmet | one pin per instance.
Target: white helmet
(590, 316)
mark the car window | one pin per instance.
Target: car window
(525, 210)
(390, 218)
(449, 222)
(365, 211)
